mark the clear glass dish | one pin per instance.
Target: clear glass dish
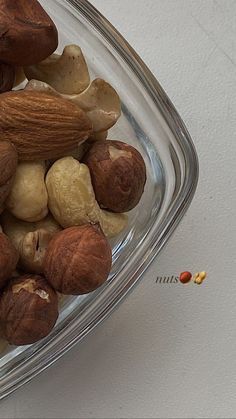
(150, 123)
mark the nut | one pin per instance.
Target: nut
(19, 76)
(66, 73)
(28, 198)
(8, 259)
(30, 239)
(78, 260)
(185, 277)
(100, 102)
(8, 165)
(71, 198)
(7, 77)
(32, 250)
(118, 174)
(27, 34)
(28, 310)
(98, 136)
(41, 126)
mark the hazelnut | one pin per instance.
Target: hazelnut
(118, 174)
(7, 77)
(8, 259)
(8, 165)
(78, 260)
(27, 35)
(28, 310)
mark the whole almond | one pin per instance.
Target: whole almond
(7, 77)
(8, 165)
(27, 34)
(40, 125)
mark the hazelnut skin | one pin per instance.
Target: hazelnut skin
(8, 259)
(28, 310)
(78, 260)
(118, 174)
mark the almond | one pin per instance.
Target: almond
(40, 125)
(27, 34)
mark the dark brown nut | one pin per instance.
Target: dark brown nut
(7, 77)
(118, 174)
(8, 165)
(78, 260)
(28, 310)
(8, 259)
(27, 34)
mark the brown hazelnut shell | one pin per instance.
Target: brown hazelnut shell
(118, 174)
(7, 77)
(8, 259)
(27, 34)
(28, 310)
(78, 260)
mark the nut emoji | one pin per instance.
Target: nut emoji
(185, 277)
(28, 310)
(8, 165)
(7, 77)
(8, 259)
(118, 174)
(71, 198)
(78, 260)
(28, 35)
(66, 73)
(40, 125)
(28, 198)
(199, 277)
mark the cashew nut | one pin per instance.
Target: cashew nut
(98, 136)
(100, 101)
(28, 197)
(31, 239)
(72, 200)
(67, 73)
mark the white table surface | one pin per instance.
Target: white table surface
(169, 351)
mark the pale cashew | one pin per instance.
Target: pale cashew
(30, 239)
(28, 197)
(67, 73)
(100, 101)
(72, 200)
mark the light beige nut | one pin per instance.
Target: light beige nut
(72, 200)
(66, 73)
(30, 239)
(28, 197)
(99, 101)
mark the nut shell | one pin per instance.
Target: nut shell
(28, 310)
(27, 33)
(78, 260)
(8, 259)
(118, 174)
(8, 165)
(40, 125)
(7, 77)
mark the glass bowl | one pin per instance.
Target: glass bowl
(151, 124)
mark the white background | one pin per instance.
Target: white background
(169, 351)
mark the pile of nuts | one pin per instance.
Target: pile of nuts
(64, 188)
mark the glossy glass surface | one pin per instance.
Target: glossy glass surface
(150, 123)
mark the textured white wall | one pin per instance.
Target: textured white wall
(169, 351)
